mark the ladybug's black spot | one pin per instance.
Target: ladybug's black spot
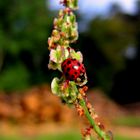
(68, 69)
(67, 74)
(68, 62)
(75, 73)
(78, 63)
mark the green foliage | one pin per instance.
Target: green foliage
(55, 136)
(113, 35)
(24, 29)
(16, 76)
(57, 56)
(10, 138)
(25, 26)
(128, 121)
(61, 136)
(119, 137)
(68, 93)
(71, 3)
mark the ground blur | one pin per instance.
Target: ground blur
(39, 115)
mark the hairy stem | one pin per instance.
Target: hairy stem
(97, 129)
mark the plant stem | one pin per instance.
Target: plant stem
(97, 129)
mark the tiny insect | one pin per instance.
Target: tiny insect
(74, 70)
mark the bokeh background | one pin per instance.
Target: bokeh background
(109, 38)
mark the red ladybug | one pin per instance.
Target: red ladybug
(73, 70)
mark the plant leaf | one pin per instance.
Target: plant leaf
(77, 55)
(55, 86)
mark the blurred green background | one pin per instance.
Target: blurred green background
(24, 29)
(110, 45)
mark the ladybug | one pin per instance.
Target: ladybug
(74, 70)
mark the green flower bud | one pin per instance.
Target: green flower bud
(73, 4)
